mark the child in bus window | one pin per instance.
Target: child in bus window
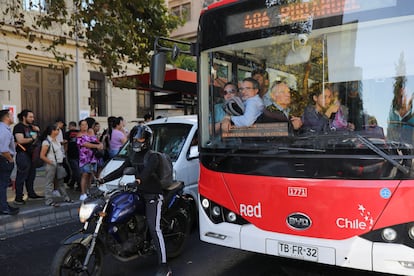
(337, 112)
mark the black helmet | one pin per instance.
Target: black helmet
(141, 132)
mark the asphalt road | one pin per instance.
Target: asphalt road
(32, 254)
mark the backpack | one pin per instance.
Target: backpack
(165, 172)
(234, 106)
(36, 147)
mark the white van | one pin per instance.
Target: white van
(176, 136)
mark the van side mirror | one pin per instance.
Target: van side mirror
(157, 70)
(193, 152)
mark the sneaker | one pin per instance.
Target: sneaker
(83, 197)
(164, 270)
(19, 202)
(56, 193)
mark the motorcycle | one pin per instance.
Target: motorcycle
(114, 222)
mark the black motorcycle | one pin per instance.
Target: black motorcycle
(114, 222)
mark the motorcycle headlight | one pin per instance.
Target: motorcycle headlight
(86, 211)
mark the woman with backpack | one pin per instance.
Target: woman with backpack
(52, 154)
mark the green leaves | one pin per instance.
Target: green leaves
(111, 31)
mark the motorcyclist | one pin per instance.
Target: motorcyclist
(148, 184)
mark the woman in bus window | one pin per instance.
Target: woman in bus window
(229, 91)
(316, 115)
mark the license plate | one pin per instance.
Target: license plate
(298, 251)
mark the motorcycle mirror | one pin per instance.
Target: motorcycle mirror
(129, 171)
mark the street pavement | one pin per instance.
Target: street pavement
(35, 215)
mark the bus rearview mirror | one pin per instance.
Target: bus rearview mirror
(157, 70)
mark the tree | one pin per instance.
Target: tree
(111, 32)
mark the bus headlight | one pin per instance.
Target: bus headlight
(389, 234)
(216, 211)
(205, 203)
(231, 217)
(411, 232)
(219, 214)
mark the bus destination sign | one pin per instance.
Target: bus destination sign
(297, 12)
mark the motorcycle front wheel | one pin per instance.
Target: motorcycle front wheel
(176, 232)
(69, 260)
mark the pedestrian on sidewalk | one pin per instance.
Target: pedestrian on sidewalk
(52, 155)
(117, 138)
(72, 154)
(7, 151)
(25, 134)
(87, 141)
(61, 139)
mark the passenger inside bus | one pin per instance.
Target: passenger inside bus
(231, 104)
(326, 111)
(229, 91)
(373, 129)
(401, 116)
(279, 109)
(253, 104)
(262, 78)
(339, 112)
(316, 115)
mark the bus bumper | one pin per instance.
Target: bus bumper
(356, 252)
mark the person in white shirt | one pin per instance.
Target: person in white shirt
(254, 106)
(52, 154)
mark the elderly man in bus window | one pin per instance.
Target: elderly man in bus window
(279, 109)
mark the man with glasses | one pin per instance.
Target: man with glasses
(7, 151)
(253, 106)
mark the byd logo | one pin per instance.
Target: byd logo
(298, 221)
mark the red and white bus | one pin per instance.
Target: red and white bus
(343, 197)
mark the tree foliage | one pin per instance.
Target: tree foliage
(111, 33)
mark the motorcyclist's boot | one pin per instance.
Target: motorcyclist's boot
(164, 270)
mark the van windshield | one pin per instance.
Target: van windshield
(170, 138)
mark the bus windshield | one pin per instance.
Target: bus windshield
(329, 89)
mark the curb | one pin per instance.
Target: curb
(37, 219)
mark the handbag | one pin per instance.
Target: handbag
(60, 172)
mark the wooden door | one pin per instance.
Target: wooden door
(43, 93)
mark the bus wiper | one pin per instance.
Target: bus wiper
(378, 151)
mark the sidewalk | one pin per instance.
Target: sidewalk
(35, 215)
